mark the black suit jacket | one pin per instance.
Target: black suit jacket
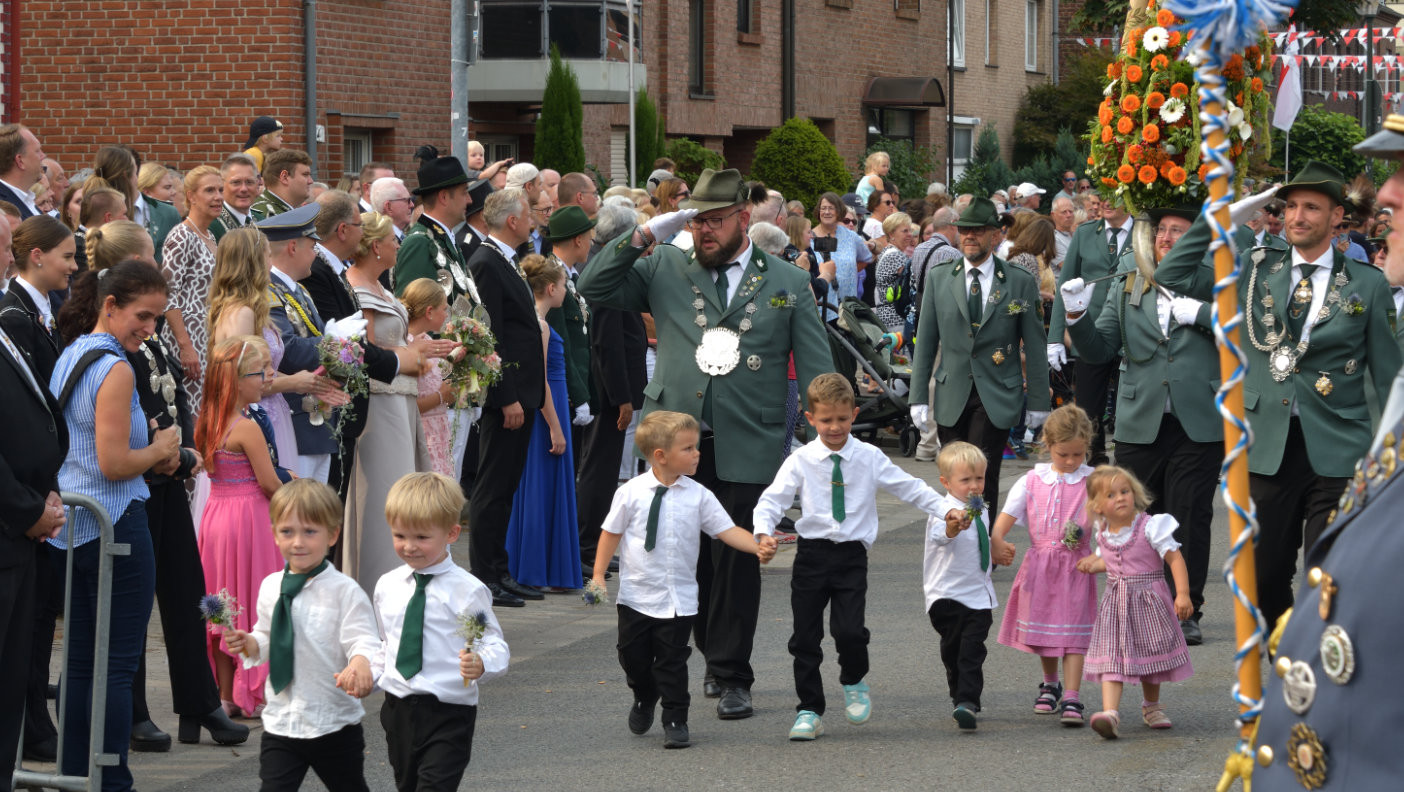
(329, 291)
(25, 326)
(468, 242)
(618, 348)
(32, 449)
(510, 304)
(6, 194)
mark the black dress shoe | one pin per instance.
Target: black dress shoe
(43, 750)
(222, 730)
(641, 716)
(503, 598)
(1193, 635)
(521, 589)
(147, 737)
(710, 688)
(735, 704)
(675, 735)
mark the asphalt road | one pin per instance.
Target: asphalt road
(556, 721)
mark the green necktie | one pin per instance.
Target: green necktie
(721, 286)
(410, 658)
(1297, 311)
(280, 638)
(651, 535)
(837, 488)
(976, 304)
(984, 537)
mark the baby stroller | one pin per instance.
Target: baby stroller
(861, 343)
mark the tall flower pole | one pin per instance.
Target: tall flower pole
(1223, 28)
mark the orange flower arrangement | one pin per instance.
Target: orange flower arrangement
(1124, 125)
(1104, 113)
(1131, 40)
(1113, 71)
(1177, 175)
(1175, 38)
(1160, 63)
(1164, 18)
(1166, 167)
(1204, 171)
(1109, 182)
(1106, 137)
(1134, 153)
(1233, 70)
(1133, 73)
(1155, 99)
(1091, 161)
(1126, 173)
(1150, 133)
(1179, 90)
(1255, 56)
(1130, 103)
(1147, 174)
(1257, 85)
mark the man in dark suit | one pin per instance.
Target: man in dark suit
(569, 238)
(474, 230)
(32, 450)
(21, 167)
(505, 428)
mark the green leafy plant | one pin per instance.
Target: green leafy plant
(987, 170)
(912, 166)
(1047, 110)
(560, 142)
(648, 137)
(796, 159)
(692, 158)
(1319, 134)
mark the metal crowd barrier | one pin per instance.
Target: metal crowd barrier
(30, 779)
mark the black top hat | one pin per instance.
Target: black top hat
(478, 193)
(263, 125)
(439, 173)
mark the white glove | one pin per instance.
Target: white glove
(665, 225)
(1057, 356)
(1036, 418)
(921, 417)
(353, 326)
(1185, 309)
(1242, 211)
(582, 416)
(1076, 295)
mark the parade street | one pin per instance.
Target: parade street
(556, 721)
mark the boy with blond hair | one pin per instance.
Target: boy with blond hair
(428, 610)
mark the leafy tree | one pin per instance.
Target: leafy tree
(1047, 109)
(796, 159)
(1319, 134)
(987, 170)
(648, 137)
(692, 158)
(912, 166)
(560, 142)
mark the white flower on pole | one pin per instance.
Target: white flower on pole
(1235, 115)
(1156, 39)
(1245, 130)
(1173, 110)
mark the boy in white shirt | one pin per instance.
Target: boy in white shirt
(659, 541)
(837, 477)
(427, 610)
(316, 630)
(960, 598)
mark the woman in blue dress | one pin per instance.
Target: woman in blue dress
(840, 251)
(543, 540)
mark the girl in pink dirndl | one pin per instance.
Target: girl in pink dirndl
(1137, 636)
(1051, 606)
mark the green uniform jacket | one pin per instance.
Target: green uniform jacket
(161, 217)
(267, 204)
(1088, 258)
(227, 222)
(1247, 239)
(1154, 367)
(428, 251)
(748, 404)
(571, 322)
(1343, 347)
(986, 359)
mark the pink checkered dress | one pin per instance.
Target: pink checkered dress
(1136, 638)
(1051, 606)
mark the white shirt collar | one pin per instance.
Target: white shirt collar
(25, 195)
(242, 217)
(338, 266)
(820, 451)
(437, 568)
(1048, 475)
(438, 223)
(41, 300)
(508, 251)
(139, 208)
(284, 277)
(1322, 262)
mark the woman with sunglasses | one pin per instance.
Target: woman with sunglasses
(840, 251)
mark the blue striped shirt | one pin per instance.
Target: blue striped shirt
(80, 472)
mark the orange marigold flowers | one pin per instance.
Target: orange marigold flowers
(1160, 63)
(1147, 174)
(1204, 171)
(1113, 71)
(1150, 133)
(1175, 38)
(1177, 176)
(1090, 161)
(1155, 99)
(1130, 103)
(1233, 70)
(1108, 181)
(1165, 167)
(1133, 153)
(1124, 125)
(1257, 85)
(1255, 56)
(1104, 113)
(1133, 73)
(1106, 138)
(1238, 98)
(1125, 173)
(1179, 90)
(1164, 18)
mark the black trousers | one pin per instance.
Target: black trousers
(963, 632)
(598, 478)
(653, 653)
(974, 426)
(1090, 387)
(1292, 504)
(496, 484)
(17, 593)
(428, 742)
(728, 582)
(1181, 475)
(338, 759)
(47, 603)
(833, 574)
(180, 580)
(469, 477)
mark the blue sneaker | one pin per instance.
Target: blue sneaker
(856, 704)
(964, 716)
(808, 726)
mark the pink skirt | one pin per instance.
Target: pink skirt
(1051, 606)
(1137, 637)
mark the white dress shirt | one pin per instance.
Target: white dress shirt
(1017, 502)
(1123, 237)
(140, 212)
(662, 583)
(1320, 284)
(242, 217)
(24, 195)
(332, 622)
(452, 592)
(507, 250)
(951, 567)
(866, 469)
(734, 272)
(986, 272)
(41, 301)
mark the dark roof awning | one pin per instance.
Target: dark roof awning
(904, 92)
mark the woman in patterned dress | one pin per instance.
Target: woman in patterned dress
(188, 261)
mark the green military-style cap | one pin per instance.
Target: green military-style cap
(291, 225)
(1318, 177)
(981, 213)
(716, 190)
(568, 222)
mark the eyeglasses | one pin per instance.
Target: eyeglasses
(407, 199)
(262, 376)
(713, 223)
(888, 203)
(1169, 231)
(848, 221)
(1070, 180)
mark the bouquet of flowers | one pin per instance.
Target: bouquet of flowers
(1146, 137)
(975, 507)
(471, 627)
(1072, 535)
(595, 594)
(475, 365)
(220, 610)
(344, 360)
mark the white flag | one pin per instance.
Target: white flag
(1289, 91)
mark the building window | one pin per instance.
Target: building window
(956, 32)
(356, 150)
(962, 143)
(1031, 35)
(697, 40)
(909, 7)
(991, 32)
(743, 17)
(891, 124)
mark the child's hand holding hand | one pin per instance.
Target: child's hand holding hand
(1002, 552)
(956, 521)
(1088, 564)
(768, 545)
(356, 678)
(238, 642)
(470, 666)
(1183, 607)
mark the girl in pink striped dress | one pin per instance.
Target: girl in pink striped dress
(1137, 637)
(1051, 607)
